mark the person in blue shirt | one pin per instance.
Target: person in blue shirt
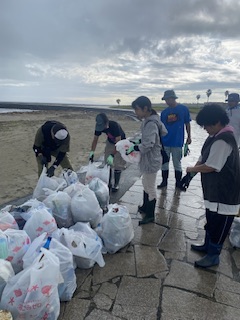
(176, 118)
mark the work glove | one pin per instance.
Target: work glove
(185, 181)
(137, 141)
(131, 149)
(110, 159)
(50, 171)
(186, 150)
(91, 156)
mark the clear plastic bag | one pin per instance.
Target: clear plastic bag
(115, 228)
(7, 220)
(86, 248)
(60, 204)
(85, 207)
(101, 191)
(97, 172)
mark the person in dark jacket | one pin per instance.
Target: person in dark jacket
(220, 176)
(150, 149)
(112, 157)
(52, 139)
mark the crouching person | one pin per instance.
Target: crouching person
(151, 158)
(220, 177)
(52, 139)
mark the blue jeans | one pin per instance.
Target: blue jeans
(176, 153)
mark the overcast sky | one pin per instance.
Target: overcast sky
(96, 51)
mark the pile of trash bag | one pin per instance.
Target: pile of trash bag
(43, 241)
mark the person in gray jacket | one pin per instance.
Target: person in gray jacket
(150, 148)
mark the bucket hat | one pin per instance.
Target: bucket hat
(232, 97)
(169, 94)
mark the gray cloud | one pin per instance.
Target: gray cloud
(86, 51)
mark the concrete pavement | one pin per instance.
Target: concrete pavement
(154, 276)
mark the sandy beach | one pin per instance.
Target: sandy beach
(17, 130)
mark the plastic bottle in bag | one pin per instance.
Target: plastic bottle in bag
(3, 247)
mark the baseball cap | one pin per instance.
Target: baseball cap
(101, 121)
(233, 97)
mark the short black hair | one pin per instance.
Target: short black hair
(211, 114)
(142, 102)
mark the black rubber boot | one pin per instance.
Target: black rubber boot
(143, 208)
(117, 176)
(212, 257)
(178, 177)
(110, 180)
(202, 247)
(149, 217)
(164, 179)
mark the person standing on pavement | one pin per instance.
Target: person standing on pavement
(220, 176)
(175, 117)
(112, 157)
(150, 149)
(52, 139)
(233, 112)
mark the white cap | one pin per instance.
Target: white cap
(61, 134)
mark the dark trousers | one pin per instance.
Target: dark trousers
(218, 226)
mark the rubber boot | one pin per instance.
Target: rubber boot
(149, 217)
(202, 247)
(110, 180)
(143, 208)
(164, 179)
(117, 176)
(212, 257)
(178, 177)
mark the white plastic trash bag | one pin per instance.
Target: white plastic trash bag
(85, 207)
(6, 273)
(122, 146)
(86, 248)
(101, 191)
(70, 176)
(7, 220)
(97, 172)
(74, 188)
(234, 236)
(45, 182)
(60, 204)
(40, 221)
(18, 243)
(33, 292)
(67, 288)
(116, 229)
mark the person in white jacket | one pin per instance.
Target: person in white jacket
(150, 148)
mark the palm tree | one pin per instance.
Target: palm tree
(118, 101)
(198, 97)
(208, 93)
(226, 94)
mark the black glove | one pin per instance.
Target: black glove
(50, 171)
(185, 181)
(91, 156)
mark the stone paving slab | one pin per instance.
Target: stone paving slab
(154, 276)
